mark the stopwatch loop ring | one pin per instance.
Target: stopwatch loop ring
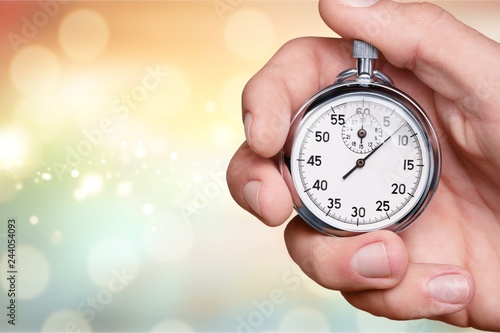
(353, 73)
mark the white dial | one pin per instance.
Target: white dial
(361, 161)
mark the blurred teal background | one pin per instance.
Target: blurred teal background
(118, 121)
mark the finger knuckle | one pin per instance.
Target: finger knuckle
(316, 264)
(426, 13)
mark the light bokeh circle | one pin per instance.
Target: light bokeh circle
(165, 90)
(210, 106)
(172, 325)
(34, 220)
(169, 239)
(56, 238)
(304, 319)
(13, 148)
(111, 257)
(9, 188)
(66, 320)
(148, 209)
(83, 35)
(35, 70)
(33, 272)
(249, 34)
(42, 116)
(224, 135)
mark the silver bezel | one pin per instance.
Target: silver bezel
(373, 88)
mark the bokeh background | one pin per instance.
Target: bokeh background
(117, 122)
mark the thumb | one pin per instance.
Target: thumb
(451, 58)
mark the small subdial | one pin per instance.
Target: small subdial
(362, 133)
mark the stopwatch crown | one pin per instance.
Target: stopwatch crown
(364, 50)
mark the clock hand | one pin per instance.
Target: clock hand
(361, 162)
(362, 132)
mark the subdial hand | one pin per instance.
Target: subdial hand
(362, 131)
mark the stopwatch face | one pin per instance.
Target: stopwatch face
(361, 159)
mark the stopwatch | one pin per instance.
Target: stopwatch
(361, 155)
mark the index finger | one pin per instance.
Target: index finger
(298, 70)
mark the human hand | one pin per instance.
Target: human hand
(446, 265)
